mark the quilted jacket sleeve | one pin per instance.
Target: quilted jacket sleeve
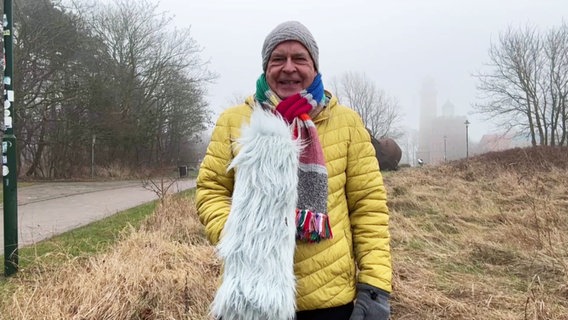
(369, 214)
(214, 182)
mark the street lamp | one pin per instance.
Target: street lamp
(93, 156)
(445, 149)
(467, 123)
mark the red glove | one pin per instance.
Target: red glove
(293, 106)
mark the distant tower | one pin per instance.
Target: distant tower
(448, 109)
(428, 112)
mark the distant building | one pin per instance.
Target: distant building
(448, 137)
(441, 138)
(498, 142)
(428, 112)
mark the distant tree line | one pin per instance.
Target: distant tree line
(110, 77)
(525, 85)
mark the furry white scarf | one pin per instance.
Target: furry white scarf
(258, 241)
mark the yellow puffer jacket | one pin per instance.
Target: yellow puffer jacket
(326, 272)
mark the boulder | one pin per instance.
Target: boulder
(388, 153)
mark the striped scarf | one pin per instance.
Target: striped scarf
(312, 221)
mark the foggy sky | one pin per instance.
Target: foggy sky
(396, 44)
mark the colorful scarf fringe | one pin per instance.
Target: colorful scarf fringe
(312, 221)
(312, 227)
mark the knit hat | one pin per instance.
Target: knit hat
(289, 30)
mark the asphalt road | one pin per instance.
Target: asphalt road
(48, 209)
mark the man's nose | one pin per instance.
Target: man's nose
(289, 65)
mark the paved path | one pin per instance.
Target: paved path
(48, 209)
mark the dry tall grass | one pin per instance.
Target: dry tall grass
(482, 239)
(166, 270)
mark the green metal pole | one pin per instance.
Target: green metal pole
(9, 171)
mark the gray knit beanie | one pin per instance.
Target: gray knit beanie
(289, 30)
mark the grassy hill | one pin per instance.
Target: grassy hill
(485, 238)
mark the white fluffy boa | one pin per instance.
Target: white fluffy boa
(258, 241)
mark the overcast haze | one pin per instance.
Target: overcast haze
(397, 44)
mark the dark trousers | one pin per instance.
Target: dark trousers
(335, 313)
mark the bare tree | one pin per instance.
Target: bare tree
(160, 76)
(380, 112)
(556, 55)
(52, 55)
(116, 71)
(527, 83)
(409, 144)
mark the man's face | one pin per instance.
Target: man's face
(290, 69)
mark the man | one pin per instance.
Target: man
(291, 193)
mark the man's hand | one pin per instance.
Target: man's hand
(293, 106)
(372, 303)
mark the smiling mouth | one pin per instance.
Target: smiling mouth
(289, 82)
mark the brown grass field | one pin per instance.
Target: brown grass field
(485, 238)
